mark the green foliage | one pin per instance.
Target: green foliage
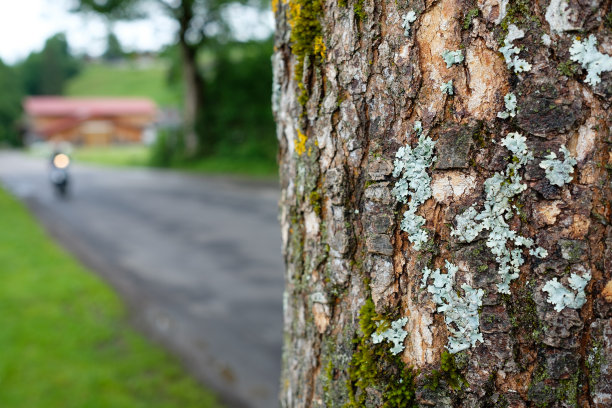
(115, 9)
(448, 372)
(65, 339)
(168, 152)
(238, 112)
(373, 366)
(10, 106)
(167, 148)
(114, 51)
(47, 72)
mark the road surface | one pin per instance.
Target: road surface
(197, 259)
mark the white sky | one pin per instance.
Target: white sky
(26, 24)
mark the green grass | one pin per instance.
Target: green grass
(230, 165)
(64, 339)
(125, 81)
(120, 156)
(140, 156)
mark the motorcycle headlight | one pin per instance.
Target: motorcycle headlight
(61, 161)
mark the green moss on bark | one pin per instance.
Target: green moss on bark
(306, 38)
(373, 367)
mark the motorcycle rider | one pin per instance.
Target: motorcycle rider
(59, 172)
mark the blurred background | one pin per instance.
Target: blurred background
(144, 269)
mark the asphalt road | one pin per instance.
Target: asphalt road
(196, 259)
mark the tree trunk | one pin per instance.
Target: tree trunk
(492, 257)
(192, 80)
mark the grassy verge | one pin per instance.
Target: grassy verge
(230, 165)
(124, 156)
(134, 155)
(64, 340)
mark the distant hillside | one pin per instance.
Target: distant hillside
(130, 80)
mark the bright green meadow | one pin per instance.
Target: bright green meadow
(125, 80)
(64, 337)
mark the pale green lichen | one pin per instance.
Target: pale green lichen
(447, 88)
(499, 189)
(586, 54)
(409, 18)
(562, 297)
(411, 166)
(510, 102)
(460, 313)
(557, 171)
(510, 52)
(395, 334)
(452, 57)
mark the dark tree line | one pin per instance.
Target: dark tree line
(42, 73)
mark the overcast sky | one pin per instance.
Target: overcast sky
(26, 24)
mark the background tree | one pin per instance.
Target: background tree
(114, 51)
(238, 77)
(46, 72)
(437, 252)
(197, 20)
(10, 106)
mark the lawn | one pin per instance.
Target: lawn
(126, 80)
(140, 156)
(64, 338)
(255, 168)
(114, 155)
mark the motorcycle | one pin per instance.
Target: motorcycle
(59, 173)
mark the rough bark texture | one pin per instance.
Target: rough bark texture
(361, 85)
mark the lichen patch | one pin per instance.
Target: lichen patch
(560, 17)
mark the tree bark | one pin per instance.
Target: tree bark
(192, 80)
(351, 85)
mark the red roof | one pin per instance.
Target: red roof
(87, 107)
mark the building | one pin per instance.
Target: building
(89, 121)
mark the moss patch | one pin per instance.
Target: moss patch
(594, 361)
(374, 367)
(568, 68)
(471, 14)
(449, 373)
(306, 37)
(359, 11)
(517, 12)
(523, 315)
(315, 201)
